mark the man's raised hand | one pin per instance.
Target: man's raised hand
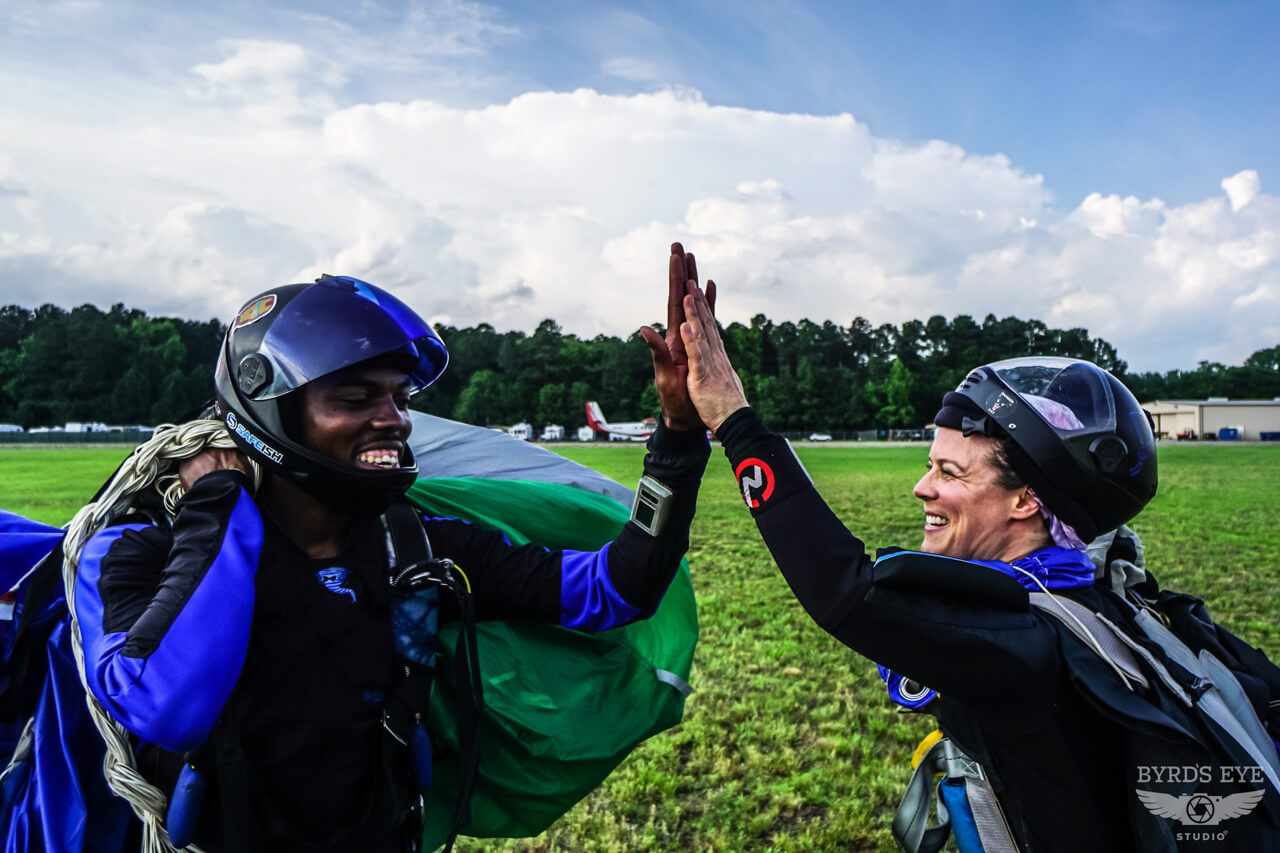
(670, 359)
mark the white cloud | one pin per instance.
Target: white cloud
(1242, 188)
(562, 204)
(630, 68)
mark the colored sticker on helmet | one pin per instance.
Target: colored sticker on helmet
(256, 311)
(756, 479)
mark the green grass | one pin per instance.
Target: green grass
(50, 484)
(789, 743)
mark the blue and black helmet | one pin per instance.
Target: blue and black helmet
(1073, 431)
(286, 337)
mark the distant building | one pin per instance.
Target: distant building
(1250, 418)
(79, 426)
(522, 431)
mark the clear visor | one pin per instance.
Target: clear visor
(341, 321)
(1069, 395)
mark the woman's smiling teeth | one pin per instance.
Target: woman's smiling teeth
(931, 520)
(380, 458)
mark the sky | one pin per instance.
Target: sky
(1110, 165)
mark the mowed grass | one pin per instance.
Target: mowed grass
(789, 743)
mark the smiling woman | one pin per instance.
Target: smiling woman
(1033, 458)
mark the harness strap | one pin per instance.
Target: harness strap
(911, 822)
(238, 823)
(1217, 693)
(413, 563)
(1222, 699)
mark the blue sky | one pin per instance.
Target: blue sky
(1134, 98)
(1086, 163)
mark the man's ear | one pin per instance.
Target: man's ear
(1024, 505)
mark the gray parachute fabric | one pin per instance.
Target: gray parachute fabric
(446, 448)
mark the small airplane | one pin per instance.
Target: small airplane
(636, 430)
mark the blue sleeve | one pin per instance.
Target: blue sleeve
(165, 629)
(588, 599)
(585, 590)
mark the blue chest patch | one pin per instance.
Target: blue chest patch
(334, 579)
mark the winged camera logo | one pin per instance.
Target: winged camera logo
(1199, 809)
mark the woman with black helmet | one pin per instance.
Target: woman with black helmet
(249, 644)
(1033, 458)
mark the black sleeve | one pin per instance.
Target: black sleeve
(621, 582)
(642, 566)
(962, 629)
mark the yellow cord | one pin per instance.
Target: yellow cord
(465, 579)
(929, 740)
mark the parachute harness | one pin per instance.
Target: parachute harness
(153, 464)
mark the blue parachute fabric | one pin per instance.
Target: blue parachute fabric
(57, 799)
(63, 804)
(23, 544)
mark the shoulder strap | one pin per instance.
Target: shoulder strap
(1096, 631)
(408, 544)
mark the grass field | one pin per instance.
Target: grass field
(789, 743)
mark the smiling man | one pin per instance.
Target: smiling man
(251, 641)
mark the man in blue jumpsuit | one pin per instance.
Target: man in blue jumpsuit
(253, 634)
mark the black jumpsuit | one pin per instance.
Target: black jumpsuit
(965, 630)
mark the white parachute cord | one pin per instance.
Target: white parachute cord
(22, 750)
(153, 464)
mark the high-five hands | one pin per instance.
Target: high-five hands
(670, 361)
(714, 386)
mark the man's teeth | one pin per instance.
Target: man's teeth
(381, 458)
(934, 520)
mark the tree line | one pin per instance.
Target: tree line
(122, 367)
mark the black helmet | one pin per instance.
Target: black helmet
(289, 336)
(1078, 436)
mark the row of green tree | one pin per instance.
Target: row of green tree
(123, 367)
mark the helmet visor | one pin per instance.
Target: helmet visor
(1070, 396)
(340, 321)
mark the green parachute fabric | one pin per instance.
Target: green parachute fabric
(563, 707)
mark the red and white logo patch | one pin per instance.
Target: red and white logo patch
(756, 479)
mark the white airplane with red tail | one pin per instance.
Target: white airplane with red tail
(636, 430)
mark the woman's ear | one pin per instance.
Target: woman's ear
(1025, 504)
